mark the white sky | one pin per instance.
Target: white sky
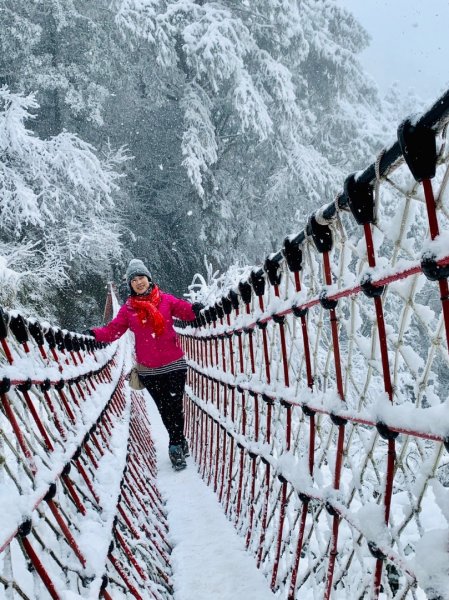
(409, 43)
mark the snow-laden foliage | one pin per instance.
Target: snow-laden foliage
(276, 108)
(57, 222)
(61, 51)
(239, 116)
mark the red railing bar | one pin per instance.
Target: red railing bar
(66, 531)
(343, 414)
(121, 571)
(40, 569)
(343, 293)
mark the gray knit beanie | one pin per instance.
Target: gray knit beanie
(136, 267)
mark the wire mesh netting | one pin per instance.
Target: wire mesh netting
(317, 401)
(81, 512)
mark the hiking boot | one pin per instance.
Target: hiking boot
(185, 447)
(177, 457)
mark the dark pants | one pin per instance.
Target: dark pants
(167, 392)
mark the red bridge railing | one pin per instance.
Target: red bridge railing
(317, 399)
(80, 508)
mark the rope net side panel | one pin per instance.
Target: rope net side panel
(317, 399)
(81, 511)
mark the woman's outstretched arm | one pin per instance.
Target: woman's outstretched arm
(113, 330)
(181, 309)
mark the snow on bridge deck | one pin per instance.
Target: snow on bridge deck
(209, 558)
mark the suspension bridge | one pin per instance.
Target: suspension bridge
(316, 410)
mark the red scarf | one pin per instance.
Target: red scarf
(147, 312)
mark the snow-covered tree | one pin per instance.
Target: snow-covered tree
(276, 109)
(58, 227)
(64, 51)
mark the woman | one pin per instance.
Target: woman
(148, 312)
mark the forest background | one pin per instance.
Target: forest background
(171, 130)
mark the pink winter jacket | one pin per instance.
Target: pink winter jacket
(151, 351)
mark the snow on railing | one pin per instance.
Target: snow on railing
(80, 510)
(317, 399)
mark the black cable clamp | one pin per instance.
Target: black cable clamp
(305, 499)
(25, 528)
(268, 400)
(261, 324)
(272, 268)
(279, 319)
(36, 333)
(219, 309)
(337, 420)
(234, 299)
(327, 303)
(252, 455)
(309, 412)
(51, 493)
(281, 478)
(321, 235)
(59, 385)
(361, 199)
(257, 280)
(370, 290)
(5, 385)
(77, 454)
(431, 269)
(76, 343)
(50, 338)
(285, 403)
(418, 147)
(292, 252)
(375, 551)
(246, 291)
(299, 312)
(59, 339)
(66, 469)
(4, 322)
(68, 343)
(385, 432)
(18, 327)
(331, 510)
(213, 313)
(227, 305)
(25, 386)
(45, 385)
